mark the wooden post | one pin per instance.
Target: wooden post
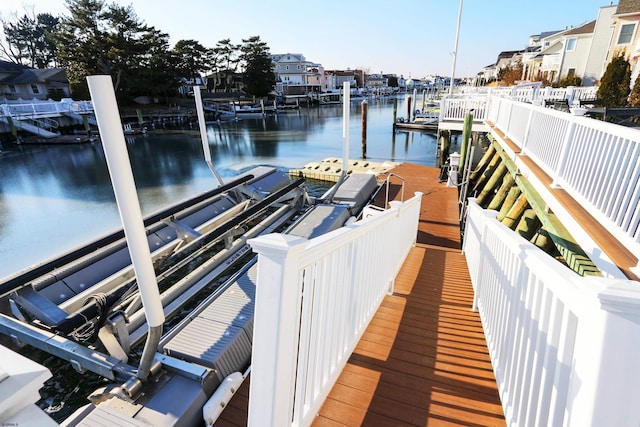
(513, 216)
(466, 136)
(528, 224)
(445, 143)
(497, 200)
(491, 167)
(512, 196)
(140, 119)
(12, 128)
(85, 123)
(365, 108)
(542, 240)
(409, 109)
(488, 188)
(395, 110)
(488, 155)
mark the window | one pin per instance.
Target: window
(35, 89)
(626, 33)
(13, 89)
(571, 72)
(571, 44)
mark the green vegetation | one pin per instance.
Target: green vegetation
(99, 38)
(616, 80)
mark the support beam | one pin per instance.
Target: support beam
(567, 245)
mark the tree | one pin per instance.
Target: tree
(29, 40)
(225, 61)
(259, 77)
(510, 74)
(192, 58)
(615, 82)
(99, 39)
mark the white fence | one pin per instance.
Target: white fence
(597, 163)
(564, 348)
(532, 93)
(38, 109)
(314, 300)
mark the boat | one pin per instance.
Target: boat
(128, 129)
(419, 124)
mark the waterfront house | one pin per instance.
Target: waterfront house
(625, 38)
(602, 36)
(337, 78)
(295, 75)
(18, 81)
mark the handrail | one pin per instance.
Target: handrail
(314, 300)
(559, 343)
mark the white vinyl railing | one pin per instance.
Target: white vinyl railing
(455, 109)
(314, 299)
(596, 162)
(36, 109)
(563, 347)
(532, 93)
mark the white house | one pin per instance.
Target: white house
(602, 37)
(295, 75)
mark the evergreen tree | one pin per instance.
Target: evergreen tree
(192, 58)
(615, 82)
(259, 77)
(28, 40)
(225, 57)
(99, 39)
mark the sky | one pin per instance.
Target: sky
(412, 38)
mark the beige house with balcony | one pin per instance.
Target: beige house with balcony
(626, 40)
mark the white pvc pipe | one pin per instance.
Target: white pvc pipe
(455, 50)
(346, 115)
(203, 134)
(115, 150)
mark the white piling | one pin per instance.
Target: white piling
(115, 150)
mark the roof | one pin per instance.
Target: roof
(587, 28)
(32, 75)
(548, 33)
(7, 66)
(628, 6)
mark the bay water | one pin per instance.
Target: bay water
(56, 197)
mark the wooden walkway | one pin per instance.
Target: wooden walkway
(423, 360)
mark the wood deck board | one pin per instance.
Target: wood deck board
(423, 360)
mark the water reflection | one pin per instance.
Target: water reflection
(55, 197)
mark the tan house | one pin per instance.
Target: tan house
(295, 75)
(626, 38)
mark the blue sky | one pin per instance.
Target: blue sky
(410, 38)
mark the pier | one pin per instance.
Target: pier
(423, 358)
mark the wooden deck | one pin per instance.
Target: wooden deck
(423, 360)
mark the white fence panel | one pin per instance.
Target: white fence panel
(314, 300)
(553, 336)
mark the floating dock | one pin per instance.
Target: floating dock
(330, 169)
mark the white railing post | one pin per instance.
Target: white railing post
(276, 330)
(564, 153)
(606, 372)
(527, 131)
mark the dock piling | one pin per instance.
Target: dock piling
(365, 108)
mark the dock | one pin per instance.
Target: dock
(423, 360)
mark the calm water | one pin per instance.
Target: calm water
(53, 198)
